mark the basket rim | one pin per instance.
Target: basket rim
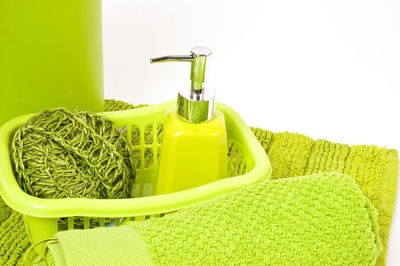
(26, 204)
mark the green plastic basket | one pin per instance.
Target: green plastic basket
(42, 216)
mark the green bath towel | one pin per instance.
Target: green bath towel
(323, 219)
(374, 169)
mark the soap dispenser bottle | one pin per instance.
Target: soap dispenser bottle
(194, 146)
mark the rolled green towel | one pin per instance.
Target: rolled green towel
(323, 219)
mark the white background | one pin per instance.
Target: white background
(326, 69)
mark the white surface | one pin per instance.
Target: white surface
(326, 69)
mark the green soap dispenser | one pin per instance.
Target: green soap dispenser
(194, 146)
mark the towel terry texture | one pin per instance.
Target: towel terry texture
(323, 219)
(374, 169)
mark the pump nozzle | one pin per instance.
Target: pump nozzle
(198, 58)
(198, 104)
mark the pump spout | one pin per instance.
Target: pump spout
(196, 105)
(172, 58)
(198, 58)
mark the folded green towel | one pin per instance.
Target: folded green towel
(323, 219)
(375, 170)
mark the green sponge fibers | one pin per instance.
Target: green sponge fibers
(70, 154)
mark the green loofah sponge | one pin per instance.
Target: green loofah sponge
(71, 154)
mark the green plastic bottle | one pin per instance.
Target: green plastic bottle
(192, 154)
(50, 56)
(194, 146)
